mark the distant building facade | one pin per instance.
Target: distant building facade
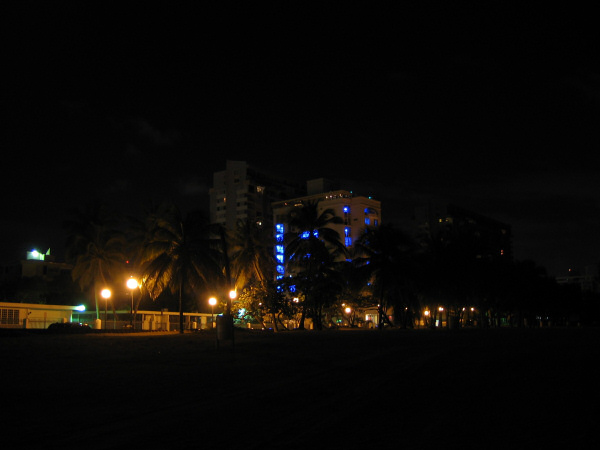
(588, 279)
(35, 264)
(492, 239)
(242, 191)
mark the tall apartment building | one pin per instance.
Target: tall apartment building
(493, 239)
(242, 191)
(357, 212)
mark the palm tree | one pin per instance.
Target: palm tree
(177, 256)
(312, 249)
(140, 232)
(384, 253)
(250, 254)
(95, 248)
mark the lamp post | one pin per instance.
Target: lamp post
(132, 284)
(212, 302)
(105, 293)
(232, 296)
(348, 310)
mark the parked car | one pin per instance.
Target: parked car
(69, 327)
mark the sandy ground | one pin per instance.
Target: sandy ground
(334, 389)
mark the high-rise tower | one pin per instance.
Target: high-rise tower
(244, 192)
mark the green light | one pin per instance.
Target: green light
(35, 255)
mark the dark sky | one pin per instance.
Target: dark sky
(492, 109)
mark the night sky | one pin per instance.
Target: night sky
(494, 110)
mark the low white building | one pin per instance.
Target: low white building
(31, 315)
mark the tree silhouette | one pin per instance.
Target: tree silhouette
(178, 256)
(251, 254)
(312, 249)
(385, 256)
(95, 247)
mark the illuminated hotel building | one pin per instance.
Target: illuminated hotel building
(243, 192)
(356, 212)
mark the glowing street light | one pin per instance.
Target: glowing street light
(105, 294)
(232, 296)
(132, 284)
(212, 302)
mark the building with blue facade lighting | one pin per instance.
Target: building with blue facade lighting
(356, 212)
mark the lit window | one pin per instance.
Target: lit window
(9, 316)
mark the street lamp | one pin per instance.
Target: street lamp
(426, 320)
(105, 293)
(232, 297)
(348, 310)
(132, 284)
(212, 302)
